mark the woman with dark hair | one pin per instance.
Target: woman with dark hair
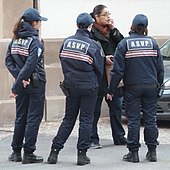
(24, 60)
(105, 32)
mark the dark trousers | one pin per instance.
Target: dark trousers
(135, 100)
(82, 102)
(29, 113)
(115, 119)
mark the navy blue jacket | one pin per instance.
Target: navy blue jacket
(25, 56)
(137, 61)
(82, 61)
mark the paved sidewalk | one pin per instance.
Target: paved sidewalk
(107, 158)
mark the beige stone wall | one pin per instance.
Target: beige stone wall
(10, 11)
(1, 19)
(5, 78)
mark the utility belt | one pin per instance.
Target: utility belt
(65, 88)
(142, 86)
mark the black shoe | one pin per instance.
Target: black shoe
(131, 157)
(15, 156)
(95, 146)
(151, 156)
(31, 158)
(53, 157)
(122, 141)
(83, 160)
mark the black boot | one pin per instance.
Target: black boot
(82, 159)
(53, 157)
(15, 156)
(131, 157)
(31, 158)
(151, 154)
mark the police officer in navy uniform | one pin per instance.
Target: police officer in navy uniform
(139, 62)
(82, 65)
(24, 60)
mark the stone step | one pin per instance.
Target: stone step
(54, 109)
(54, 76)
(7, 111)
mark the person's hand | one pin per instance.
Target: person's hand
(25, 83)
(12, 95)
(109, 59)
(109, 97)
(111, 24)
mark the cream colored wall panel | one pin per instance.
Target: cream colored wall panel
(11, 11)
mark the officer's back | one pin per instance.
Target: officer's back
(81, 60)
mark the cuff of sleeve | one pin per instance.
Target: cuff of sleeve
(16, 88)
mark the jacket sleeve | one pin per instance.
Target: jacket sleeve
(118, 69)
(10, 63)
(35, 53)
(98, 61)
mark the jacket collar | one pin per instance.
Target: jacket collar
(27, 30)
(97, 34)
(83, 32)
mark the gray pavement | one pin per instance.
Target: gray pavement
(107, 158)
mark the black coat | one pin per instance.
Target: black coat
(109, 45)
